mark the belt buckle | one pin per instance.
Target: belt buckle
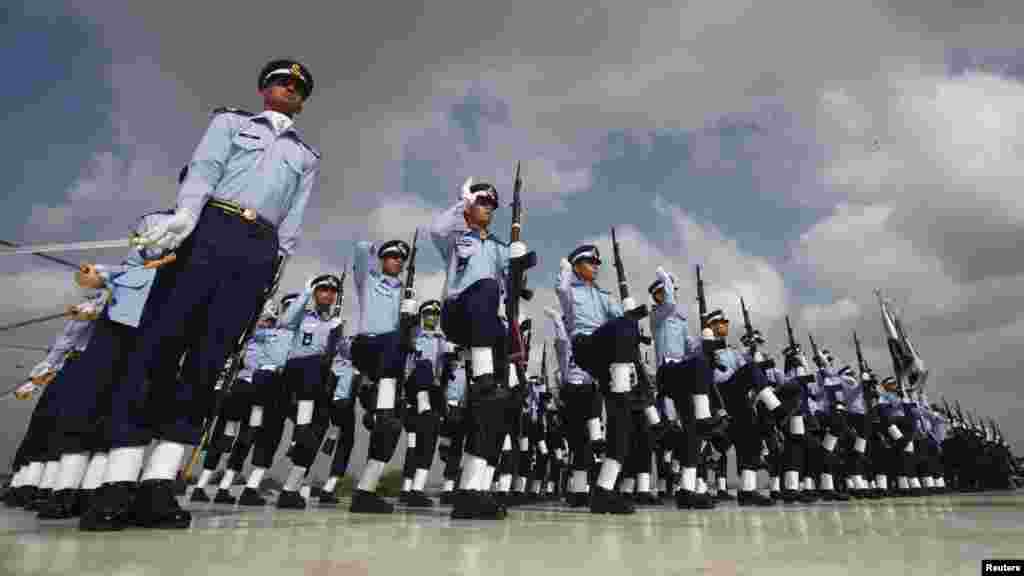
(249, 215)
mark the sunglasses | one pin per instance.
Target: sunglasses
(283, 80)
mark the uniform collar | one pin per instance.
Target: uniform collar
(389, 280)
(279, 123)
(576, 281)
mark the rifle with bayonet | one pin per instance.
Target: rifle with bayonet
(518, 348)
(409, 321)
(748, 329)
(634, 313)
(870, 392)
(947, 411)
(708, 346)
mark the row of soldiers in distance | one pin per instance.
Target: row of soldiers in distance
(556, 440)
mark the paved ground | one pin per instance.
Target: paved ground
(931, 535)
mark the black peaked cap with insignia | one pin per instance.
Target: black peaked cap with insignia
(655, 286)
(286, 68)
(716, 315)
(327, 281)
(431, 306)
(488, 189)
(585, 252)
(394, 247)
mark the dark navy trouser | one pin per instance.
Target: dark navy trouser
(35, 444)
(471, 319)
(614, 342)
(84, 411)
(378, 356)
(222, 272)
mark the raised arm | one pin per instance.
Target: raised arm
(443, 224)
(363, 264)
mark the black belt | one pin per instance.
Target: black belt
(247, 215)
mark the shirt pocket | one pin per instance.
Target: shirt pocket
(246, 151)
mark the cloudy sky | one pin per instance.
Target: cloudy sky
(804, 154)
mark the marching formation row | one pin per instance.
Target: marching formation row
(143, 361)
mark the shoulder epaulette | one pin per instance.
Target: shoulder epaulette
(230, 110)
(293, 136)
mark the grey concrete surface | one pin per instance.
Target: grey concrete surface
(930, 535)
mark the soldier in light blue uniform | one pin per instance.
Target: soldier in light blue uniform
(343, 415)
(774, 430)
(897, 419)
(238, 214)
(425, 402)
(737, 376)
(801, 381)
(604, 344)
(834, 425)
(304, 375)
(852, 394)
(266, 355)
(476, 274)
(253, 396)
(582, 413)
(936, 436)
(685, 378)
(377, 352)
(38, 459)
(453, 430)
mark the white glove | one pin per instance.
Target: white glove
(628, 304)
(410, 307)
(517, 250)
(25, 391)
(449, 348)
(40, 369)
(707, 334)
(564, 265)
(661, 274)
(170, 233)
(551, 313)
(467, 196)
(758, 357)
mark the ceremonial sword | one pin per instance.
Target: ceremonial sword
(73, 246)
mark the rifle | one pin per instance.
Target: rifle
(702, 303)
(948, 412)
(234, 364)
(815, 353)
(960, 415)
(544, 366)
(518, 350)
(793, 345)
(702, 309)
(634, 314)
(408, 321)
(861, 363)
(748, 329)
